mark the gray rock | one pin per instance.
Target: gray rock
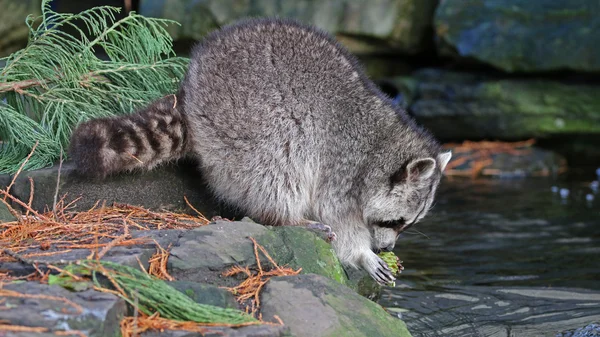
(126, 255)
(206, 294)
(202, 254)
(313, 305)
(522, 35)
(364, 26)
(99, 316)
(470, 106)
(248, 331)
(5, 214)
(298, 247)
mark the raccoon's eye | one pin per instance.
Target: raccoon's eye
(392, 223)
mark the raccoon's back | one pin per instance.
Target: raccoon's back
(271, 78)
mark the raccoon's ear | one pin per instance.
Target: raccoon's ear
(420, 169)
(416, 170)
(443, 159)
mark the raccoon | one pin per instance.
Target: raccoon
(286, 126)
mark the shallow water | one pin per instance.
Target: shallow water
(485, 238)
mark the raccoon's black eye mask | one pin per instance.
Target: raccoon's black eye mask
(399, 225)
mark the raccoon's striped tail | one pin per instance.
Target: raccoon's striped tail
(142, 140)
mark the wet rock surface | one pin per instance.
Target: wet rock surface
(364, 26)
(54, 309)
(457, 105)
(317, 306)
(522, 35)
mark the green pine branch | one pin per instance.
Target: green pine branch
(58, 80)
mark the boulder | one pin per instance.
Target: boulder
(458, 106)
(522, 35)
(203, 254)
(53, 309)
(313, 305)
(366, 26)
(5, 214)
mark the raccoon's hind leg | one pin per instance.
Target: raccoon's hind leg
(331, 236)
(141, 140)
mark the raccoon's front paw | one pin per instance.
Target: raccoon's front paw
(378, 269)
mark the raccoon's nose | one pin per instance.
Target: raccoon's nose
(389, 248)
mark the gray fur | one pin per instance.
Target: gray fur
(287, 127)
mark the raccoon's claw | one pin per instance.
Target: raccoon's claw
(323, 228)
(379, 270)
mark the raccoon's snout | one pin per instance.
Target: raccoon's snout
(389, 248)
(386, 249)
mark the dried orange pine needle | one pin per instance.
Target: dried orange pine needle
(158, 263)
(478, 156)
(250, 288)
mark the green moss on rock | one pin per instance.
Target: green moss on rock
(330, 309)
(495, 108)
(300, 248)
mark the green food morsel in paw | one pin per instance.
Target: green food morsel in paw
(392, 261)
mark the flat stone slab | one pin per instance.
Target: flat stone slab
(160, 188)
(202, 254)
(94, 313)
(312, 306)
(126, 255)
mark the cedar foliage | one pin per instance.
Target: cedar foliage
(58, 80)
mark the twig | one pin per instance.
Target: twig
(30, 202)
(21, 167)
(24, 205)
(175, 101)
(192, 207)
(57, 185)
(32, 262)
(114, 242)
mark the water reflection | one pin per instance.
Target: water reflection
(491, 235)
